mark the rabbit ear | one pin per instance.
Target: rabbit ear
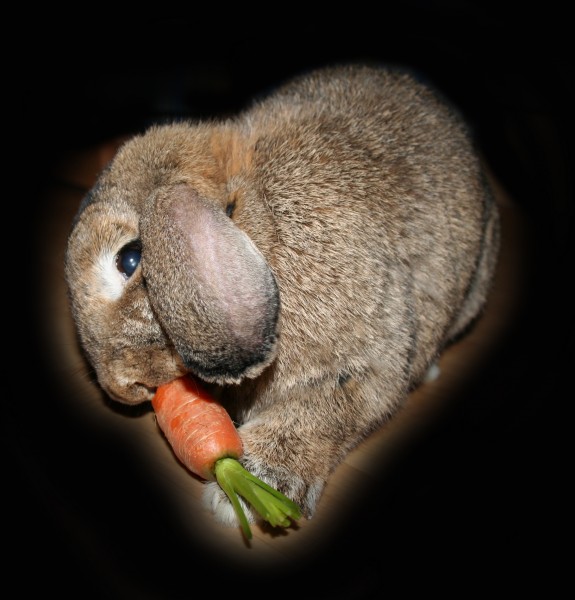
(210, 287)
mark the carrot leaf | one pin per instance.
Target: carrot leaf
(273, 506)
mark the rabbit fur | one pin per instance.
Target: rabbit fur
(309, 258)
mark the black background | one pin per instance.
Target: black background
(479, 501)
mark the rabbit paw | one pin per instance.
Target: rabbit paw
(305, 493)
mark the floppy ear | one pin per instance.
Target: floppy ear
(210, 287)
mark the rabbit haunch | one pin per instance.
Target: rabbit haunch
(312, 255)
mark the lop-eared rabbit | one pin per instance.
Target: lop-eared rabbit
(309, 258)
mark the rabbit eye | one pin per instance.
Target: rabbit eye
(128, 259)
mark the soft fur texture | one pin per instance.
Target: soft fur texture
(310, 258)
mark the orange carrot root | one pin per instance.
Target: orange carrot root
(198, 428)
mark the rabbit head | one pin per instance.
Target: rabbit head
(161, 280)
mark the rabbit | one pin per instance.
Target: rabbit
(309, 258)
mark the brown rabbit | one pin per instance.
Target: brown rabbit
(310, 258)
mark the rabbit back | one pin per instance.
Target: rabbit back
(384, 227)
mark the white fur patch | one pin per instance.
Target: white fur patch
(110, 281)
(313, 495)
(216, 501)
(432, 373)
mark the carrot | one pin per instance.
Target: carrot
(198, 428)
(206, 441)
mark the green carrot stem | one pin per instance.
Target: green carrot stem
(273, 506)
